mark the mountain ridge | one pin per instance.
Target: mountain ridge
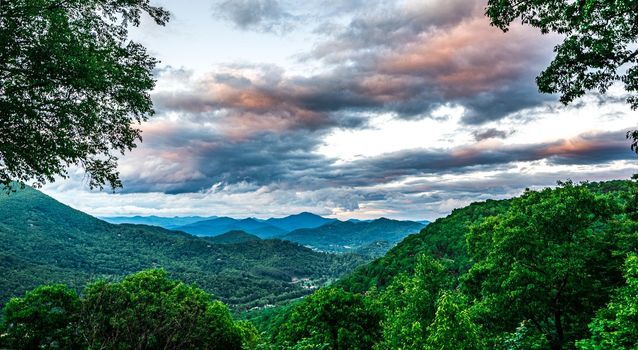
(45, 241)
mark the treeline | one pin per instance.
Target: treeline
(146, 310)
(552, 269)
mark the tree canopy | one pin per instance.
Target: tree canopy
(599, 46)
(146, 310)
(72, 87)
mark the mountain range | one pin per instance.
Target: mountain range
(311, 230)
(215, 225)
(165, 222)
(44, 241)
(348, 236)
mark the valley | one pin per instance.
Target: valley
(45, 241)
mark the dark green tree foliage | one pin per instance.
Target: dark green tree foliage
(410, 304)
(598, 47)
(71, 86)
(616, 326)
(45, 318)
(527, 273)
(146, 310)
(333, 319)
(453, 327)
(551, 261)
(443, 239)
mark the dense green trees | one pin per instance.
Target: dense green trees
(411, 303)
(550, 261)
(45, 318)
(330, 318)
(534, 272)
(72, 85)
(552, 269)
(146, 310)
(616, 325)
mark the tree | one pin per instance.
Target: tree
(453, 328)
(72, 86)
(147, 310)
(598, 47)
(331, 318)
(411, 305)
(45, 318)
(616, 326)
(550, 262)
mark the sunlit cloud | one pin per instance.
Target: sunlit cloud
(406, 109)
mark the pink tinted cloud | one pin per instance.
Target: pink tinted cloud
(469, 58)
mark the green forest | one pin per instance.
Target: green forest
(45, 241)
(555, 267)
(552, 269)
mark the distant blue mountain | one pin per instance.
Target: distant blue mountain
(304, 228)
(351, 235)
(298, 221)
(217, 226)
(165, 222)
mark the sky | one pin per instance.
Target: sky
(351, 109)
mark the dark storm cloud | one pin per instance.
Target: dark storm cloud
(486, 134)
(180, 159)
(189, 159)
(407, 60)
(255, 124)
(584, 149)
(260, 15)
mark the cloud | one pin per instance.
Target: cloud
(259, 15)
(247, 139)
(408, 60)
(418, 198)
(492, 133)
(189, 156)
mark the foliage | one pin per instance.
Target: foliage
(453, 327)
(71, 86)
(410, 304)
(598, 48)
(331, 316)
(550, 260)
(146, 310)
(616, 325)
(443, 239)
(45, 318)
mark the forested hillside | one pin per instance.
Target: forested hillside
(233, 237)
(552, 269)
(444, 239)
(44, 241)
